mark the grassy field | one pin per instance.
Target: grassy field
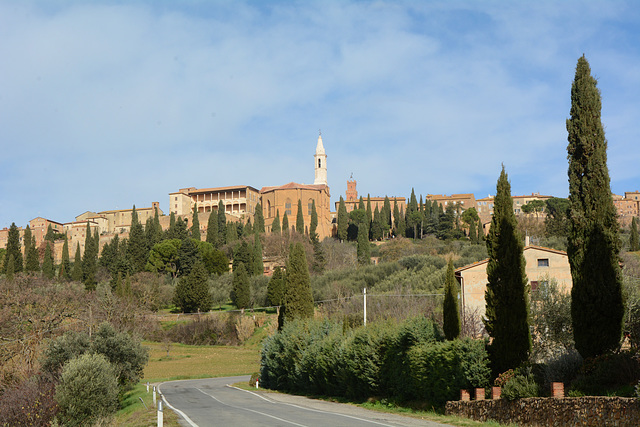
(180, 361)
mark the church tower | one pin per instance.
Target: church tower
(320, 163)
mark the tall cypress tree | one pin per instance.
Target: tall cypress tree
(480, 231)
(48, 266)
(76, 272)
(396, 217)
(13, 249)
(258, 219)
(89, 260)
(212, 229)
(343, 220)
(507, 300)
(299, 219)
(138, 249)
(473, 233)
(634, 242)
(275, 288)
(222, 225)
(195, 224)
(65, 264)
(275, 225)
(285, 225)
(32, 257)
(363, 250)
(450, 312)
(593, 245)
(298, 298)
(313, 226)
(241, 294)
(258, 264)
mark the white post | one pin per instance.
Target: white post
(160, 414)
(257, 383)
(365, 306)
(147, 386)
(154, 396)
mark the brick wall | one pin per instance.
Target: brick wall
(568, 411)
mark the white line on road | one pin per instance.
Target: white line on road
(182, 414)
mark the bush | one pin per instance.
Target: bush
(30, 403)
(562, 367)
(62, 349)
(88, 390)
(609, 374)
(520, 386)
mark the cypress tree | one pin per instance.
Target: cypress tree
(275, 288)
(10, 267)
(222, 224)
(634, 242)
(138, 249)
(480, 231)
(195, 224)
(170, 234)
(13, 249)
(450, 312)
(89, 260)
(192, 291)
(48, 266)
(258, 264)
(377, 229)
(343, 220)
(258, 219)
(593, 245)
(361, 205)
(507, 300)
(76, 272)
(188, 256)
(298, 299)
(386, 215)
(299, 219)
(231, 234)
(285, 225)
(369, 211)
(241, 295)
(157, 227)
(32, 262)
(363, 250)
(473, 234)
(65, 264)
(212, 229)
(402, 224)
(396, 218)
(275, 225)
(243, 254)
(313, 226)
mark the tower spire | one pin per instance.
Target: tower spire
(320, 163)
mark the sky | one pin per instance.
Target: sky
(107, 104)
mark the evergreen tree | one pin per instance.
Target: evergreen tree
(89, 260)
(10, 266)
(48, 265)
(32, 257)
(402, 224)
(157, 227)
(369, 216)
(634, 242)
(13, 249)
(171, 231)
(138, 249)
(188, 256)
(386, 215)
(363, 249)
(275, 225)
(473, 233)
(222, 224)
(412, 217)
(507, 300)
(243, 254)
(231, 234)
(195, 224)
(149, 233)
(377, 225)
(396, 218)
(258, 264)
(343, 220)
(299, 219)
(285, 225)
(480, 231)
(450, 312)
(212, 230)
(65, 264)
(313, 226)
(179, 230)
(241, 294)
(361, 205)
(76, 272)
(192, 291)
(275, 288)
(593, 245)
(258, 219)
(298, 299)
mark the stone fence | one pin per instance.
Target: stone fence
(541, 411)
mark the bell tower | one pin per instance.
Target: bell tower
(320, 163)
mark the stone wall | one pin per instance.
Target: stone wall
(538, 411)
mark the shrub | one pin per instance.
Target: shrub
(520, 386)
(88, 390)
(62, 349)
(609, 374)
(29, 403)
(562, 367)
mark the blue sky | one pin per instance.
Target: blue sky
(108, 104)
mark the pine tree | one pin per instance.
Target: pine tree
(258, 219)
(298, 299)
(241, 295)
(275, 288)
(285, 225)
(89, 260)
(222, 225)
(593, 245)
(138, 249)
(13, 249)
(507, 300)
(634, 242)
(65, 264)
(275, 225)
(76, 272)
(313, 226)
(195, 224)
(192, 291)
(450, 312)
(258, 264)
(212, 229)
(299, 219)
(343, 220)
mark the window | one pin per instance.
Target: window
(543, 262)
(319, 163)
(310, 206)
(287, 207)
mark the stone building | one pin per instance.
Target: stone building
(542, 264)
(239, 201)
(351, 201)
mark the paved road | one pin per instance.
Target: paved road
(212, 402)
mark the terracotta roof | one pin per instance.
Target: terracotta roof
(294, 186)
(218, 189)
(486, 260)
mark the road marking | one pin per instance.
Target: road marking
(255, 394)
(251, 410)
(182, 414)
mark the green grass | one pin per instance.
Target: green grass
(135, 414)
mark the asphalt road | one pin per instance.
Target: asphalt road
(213, 402)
